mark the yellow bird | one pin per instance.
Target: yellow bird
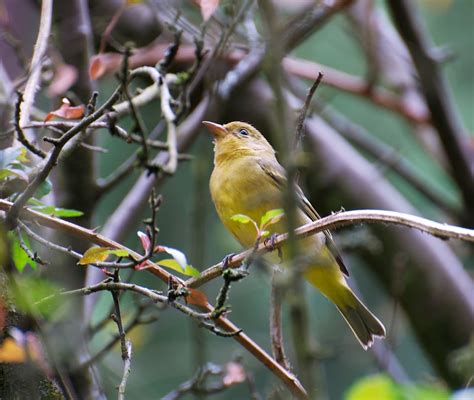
(247, 179)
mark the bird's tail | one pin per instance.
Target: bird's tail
(363, 323)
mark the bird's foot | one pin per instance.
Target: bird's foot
(270, 244)
(227, 260)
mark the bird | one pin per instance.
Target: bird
(247, 179)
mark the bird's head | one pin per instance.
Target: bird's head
(237, 139)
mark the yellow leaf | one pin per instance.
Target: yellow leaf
(95, 255)
(11, 352)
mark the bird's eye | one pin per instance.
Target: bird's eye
(244, 132)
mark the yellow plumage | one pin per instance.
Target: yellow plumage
(247, 179)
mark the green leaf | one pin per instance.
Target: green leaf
(5, 173)
(242, 218)
(191, 271)
(272, 217)
(44, 189)
(19, 256)
(57, 212)
(171, 263)
(67, 213)
(33, 289)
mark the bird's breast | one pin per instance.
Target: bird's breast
(242, 187)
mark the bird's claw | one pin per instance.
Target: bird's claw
(270, 242)
(227, 260)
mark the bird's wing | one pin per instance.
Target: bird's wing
(277, 173)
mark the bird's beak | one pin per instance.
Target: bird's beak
(217, 130)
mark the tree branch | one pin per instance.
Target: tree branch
(36, 62)
(442, 231)
(438, 97)
(53, 156)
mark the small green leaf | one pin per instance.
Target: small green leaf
(272, 217)
(191, 271)
(33, 289)
(67, 213)
(44, 209)
(19, 256)
(264, 234)
(5, 173)
(44, 189)
(57, 212)
(242, 218)
(171, 263)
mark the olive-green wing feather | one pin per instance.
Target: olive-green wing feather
(277, 173)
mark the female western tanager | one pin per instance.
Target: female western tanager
(247, 179)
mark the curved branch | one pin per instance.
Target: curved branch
(442, 231)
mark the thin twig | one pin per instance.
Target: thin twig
(125, 345)
(117, 317)
(126, 370)
(139, 123)
(168, 113)
(47, 243)
(197, 384)
(39, 51)
(32, 255)
(276, 335)
(118, 131)
(304, 111)
(170, 118)
(20, 135)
